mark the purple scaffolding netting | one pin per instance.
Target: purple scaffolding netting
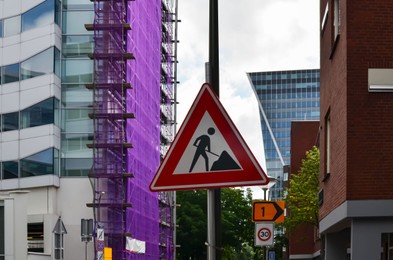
(144, 100)
(109, 119)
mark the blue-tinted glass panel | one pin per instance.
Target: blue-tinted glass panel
(78, 4)
(38, 65)
(76, 166)
(74, 21)
(77, 45)
(38, 114)
(1, 28)
(11, 26)
(41, 15)
(41, 163)
(77, 71)
(76, 95)
(57, 62)
(10, 73)
(10, 170)
(10, 122)
(58, 12)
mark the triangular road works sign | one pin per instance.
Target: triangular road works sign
(208, 151)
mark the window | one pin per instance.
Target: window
(327, 145)
(35, 237)
(11, 26)
(336, 19)
(76, 166)
(10, 170)
(38, 65)
(10, 122)
(39, 16)
(42, 163)
(1, 28)
(10, 73)
(42, 113)
(57, 62)
(78, 4)
(58, 12)
(77, 71)
(73, 21)
(77, 45)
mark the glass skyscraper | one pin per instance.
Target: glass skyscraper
(283, 97)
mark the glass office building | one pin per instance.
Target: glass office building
(283, 96)
(86, 113)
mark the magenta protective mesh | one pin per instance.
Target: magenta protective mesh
(144, 41)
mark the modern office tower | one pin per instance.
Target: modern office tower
(87, 100)
(283, 97)
(356, 175)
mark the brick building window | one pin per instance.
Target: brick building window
(336, 19)
(327, 145)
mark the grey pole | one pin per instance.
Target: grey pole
(214, 195)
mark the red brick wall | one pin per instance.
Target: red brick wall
(361, 122)
(304, 135)
(333, 101)
(370, 115)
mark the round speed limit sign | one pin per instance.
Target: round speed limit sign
(264, 234)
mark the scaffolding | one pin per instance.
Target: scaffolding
(168, 83)
(134, 78)
(108, 174)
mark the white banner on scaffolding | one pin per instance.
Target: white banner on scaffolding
(135, 246)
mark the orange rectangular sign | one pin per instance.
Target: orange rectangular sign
(268, 211)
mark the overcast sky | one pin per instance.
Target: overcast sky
(255, 35)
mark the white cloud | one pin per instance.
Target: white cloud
(254, 36)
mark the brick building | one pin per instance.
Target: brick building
(356, 145)
(304, 240)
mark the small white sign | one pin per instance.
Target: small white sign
(264, 234)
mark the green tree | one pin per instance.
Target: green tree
(237, 227)
(302, 193)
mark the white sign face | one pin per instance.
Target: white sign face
(264, 234)
(206, 147)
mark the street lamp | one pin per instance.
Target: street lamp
(271, 183)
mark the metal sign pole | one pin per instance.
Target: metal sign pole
(214, 195)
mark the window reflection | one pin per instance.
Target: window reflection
(43, 113)
(10, 122)
(38, 65)
(1, 28)
(10, 170)
(78, 4)
(12, 26)
(77, 71)
(77, 45)
(41, 163)
(39, 114)
(41, 15)
(10, 73)
(73, 21)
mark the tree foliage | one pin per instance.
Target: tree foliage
(302, 193)
(237, 229)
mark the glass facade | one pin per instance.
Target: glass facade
(285, 96)
(46, 62)
(43, 113)
(77, 100)
(42, 163)
(75, 70)
(43, 14)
